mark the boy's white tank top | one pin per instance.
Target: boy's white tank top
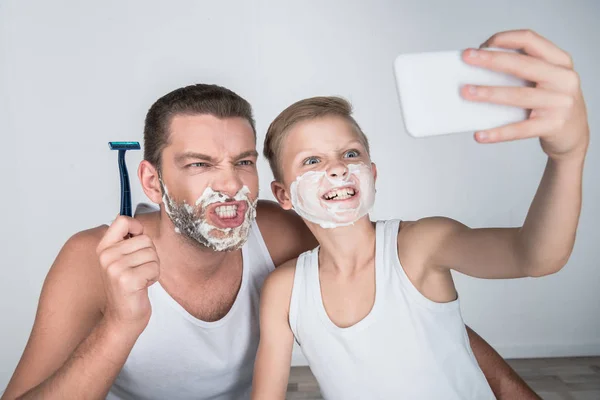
(179, 356)
(407, 347)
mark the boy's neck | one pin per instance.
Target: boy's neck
(346, 248)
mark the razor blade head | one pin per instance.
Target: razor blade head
(124, 145)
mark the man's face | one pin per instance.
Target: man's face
(328, 177)
(209, 178)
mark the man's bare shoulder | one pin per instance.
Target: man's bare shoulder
(86, 239)
(270, 215)
(77, 268)
(284, 232)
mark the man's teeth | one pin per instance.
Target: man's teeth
(226, 211)
(340, 194)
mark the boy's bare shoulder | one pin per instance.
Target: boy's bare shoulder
(277, 289)
(421, 238)
(283, 276)
(430, 228)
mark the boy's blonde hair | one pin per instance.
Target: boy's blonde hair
(304, 110)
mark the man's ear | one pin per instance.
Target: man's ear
(149, 178)
(281, 195)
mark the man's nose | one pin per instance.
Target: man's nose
(228, 182)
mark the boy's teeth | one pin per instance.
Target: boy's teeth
(226, 211)
(340, 194)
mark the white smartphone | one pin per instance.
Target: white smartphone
(429, 89)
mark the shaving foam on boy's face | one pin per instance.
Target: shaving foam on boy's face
(333, 202)
(216, 220)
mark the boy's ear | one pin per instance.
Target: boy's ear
(374, 169)
(281, 195)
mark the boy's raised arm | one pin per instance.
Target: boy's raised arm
(559, 119)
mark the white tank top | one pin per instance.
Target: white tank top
(179, 356)
(407, 347)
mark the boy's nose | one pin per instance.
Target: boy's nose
(338, 170)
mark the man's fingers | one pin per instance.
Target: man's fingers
(523, 97)
(520, 130)
(140, 277)
(120, 249)
(531, 43)
(131, 261)
(118, 230)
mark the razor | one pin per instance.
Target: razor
(122, 147)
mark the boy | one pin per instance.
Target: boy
(374, 307)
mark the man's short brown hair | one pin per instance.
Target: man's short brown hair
(190, 100)
(305, 110)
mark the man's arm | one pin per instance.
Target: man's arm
(284, 232)
(274, 356)
(68, 310)
(91, 370)
(503, 380)
(80, 338)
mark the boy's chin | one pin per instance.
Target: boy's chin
(340, 223)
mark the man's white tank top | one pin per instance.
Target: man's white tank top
(407, 347)
(179, 356)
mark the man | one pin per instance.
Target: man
(165, 305)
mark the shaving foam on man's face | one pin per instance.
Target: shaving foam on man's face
(333, 202)
(216, 220)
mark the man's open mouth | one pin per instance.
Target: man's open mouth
(230, 214)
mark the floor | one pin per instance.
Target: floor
(574, 378)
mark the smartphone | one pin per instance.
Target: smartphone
(429, 87)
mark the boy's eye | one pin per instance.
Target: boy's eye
(351, 154)
(311, 161)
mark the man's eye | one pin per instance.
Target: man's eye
(351, 154)
(246, 162)
(198, 165)
(311, 161)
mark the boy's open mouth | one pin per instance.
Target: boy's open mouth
(339, 194)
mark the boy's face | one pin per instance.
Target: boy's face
(328, 177)
(209, 178)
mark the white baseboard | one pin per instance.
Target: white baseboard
(549, 350)
(298, 359)
(512, 351)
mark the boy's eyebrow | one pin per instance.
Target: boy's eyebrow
(346, 146)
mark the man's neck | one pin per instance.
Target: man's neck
(181, 259)
(346, 248)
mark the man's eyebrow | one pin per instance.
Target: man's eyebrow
(249, 153)
(190, 154)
